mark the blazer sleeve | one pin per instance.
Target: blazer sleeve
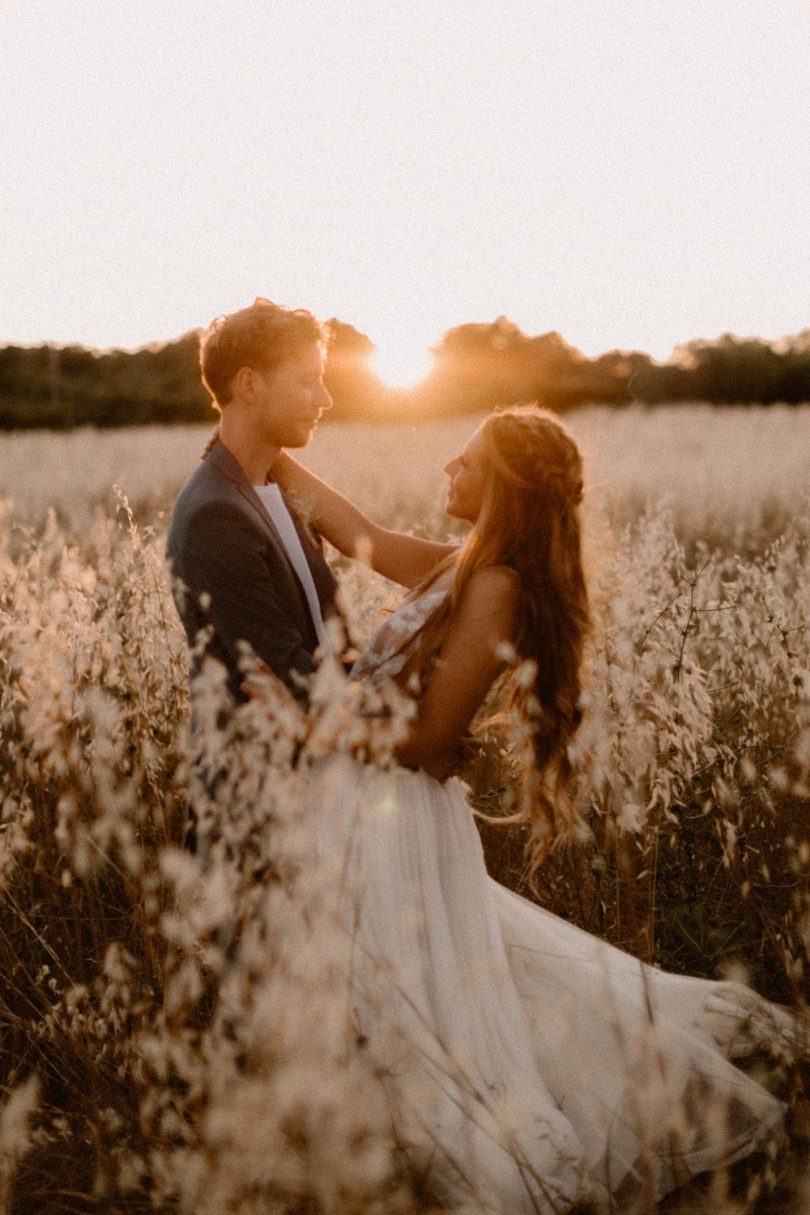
(228, 560)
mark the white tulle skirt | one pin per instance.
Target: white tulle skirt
(529, 1065)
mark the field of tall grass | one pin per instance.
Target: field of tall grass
(172, 1037)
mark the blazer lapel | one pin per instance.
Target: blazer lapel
(225, 465)
(322, 576)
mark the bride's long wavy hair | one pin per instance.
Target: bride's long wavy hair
(530, 521)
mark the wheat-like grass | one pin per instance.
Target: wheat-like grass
(176, 1039)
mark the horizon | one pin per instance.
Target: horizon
(94, 348)
(630, 178)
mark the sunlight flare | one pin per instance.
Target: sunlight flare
(400, 365)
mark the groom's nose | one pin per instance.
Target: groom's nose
(325, 400)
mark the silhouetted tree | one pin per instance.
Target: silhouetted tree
(356, 390)
(475, 366)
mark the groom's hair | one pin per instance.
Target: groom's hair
(260, 337)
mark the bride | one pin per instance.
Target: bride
(531, 1067)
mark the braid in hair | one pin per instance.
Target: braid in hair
(537, 488)
(530, 521)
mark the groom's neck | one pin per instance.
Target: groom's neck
(254, 454)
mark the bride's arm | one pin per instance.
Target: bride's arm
(402, 558)
(470, 660)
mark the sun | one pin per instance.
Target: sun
(400, 365)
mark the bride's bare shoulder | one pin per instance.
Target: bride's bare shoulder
(492, 590)
(495, 582)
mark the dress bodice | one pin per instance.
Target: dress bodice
(390, 645)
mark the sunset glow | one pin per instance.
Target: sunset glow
(630, 175)
(400, 365)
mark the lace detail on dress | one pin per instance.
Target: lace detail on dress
(387, 650)
(389, 645)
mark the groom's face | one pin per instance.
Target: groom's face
(290, 399)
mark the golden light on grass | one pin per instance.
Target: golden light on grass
(224, 1066)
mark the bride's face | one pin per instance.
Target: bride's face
(467, 473)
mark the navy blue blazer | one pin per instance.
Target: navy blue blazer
(231, 571)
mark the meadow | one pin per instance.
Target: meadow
(152, 1057)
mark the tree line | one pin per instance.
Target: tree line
(475, 367)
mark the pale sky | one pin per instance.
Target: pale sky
(632, 173)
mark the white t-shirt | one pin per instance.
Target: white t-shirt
(275, 506)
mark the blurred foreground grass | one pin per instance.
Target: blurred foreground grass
(132, 1057)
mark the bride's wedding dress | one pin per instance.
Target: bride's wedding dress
(530, 1066)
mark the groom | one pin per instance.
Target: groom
(244, 566)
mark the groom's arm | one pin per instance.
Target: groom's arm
(225, 566)
(396, 555)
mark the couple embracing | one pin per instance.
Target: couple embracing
(555, 1069)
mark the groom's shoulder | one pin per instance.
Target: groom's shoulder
(216, 479)
(203, 482)
(205, 489)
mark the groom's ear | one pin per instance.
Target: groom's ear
(243, 383)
